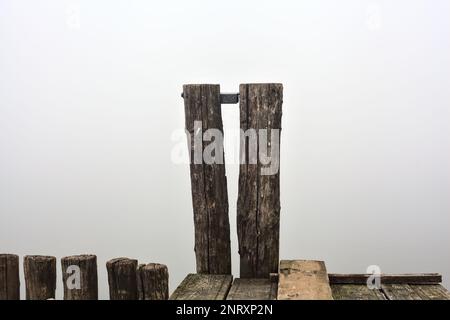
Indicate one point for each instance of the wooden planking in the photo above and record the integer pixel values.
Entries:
(258, 206)
(203, 287)
(390, 292)
(399, 292)
(431, 292)
(419, 278)
(9, 277)
(355, 292)
(253, 289)
(303, 280)
(208, 180)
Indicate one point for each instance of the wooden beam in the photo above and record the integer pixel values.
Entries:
(208, 180)
(203, 287)
(253, 289)
(303, 280)
(258, 207)
(9, 277)
(419, 278)
(88, 285)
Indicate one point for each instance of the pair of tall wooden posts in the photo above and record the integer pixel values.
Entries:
(258, 207)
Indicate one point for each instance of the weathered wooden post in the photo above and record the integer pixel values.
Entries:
(208, 180)
(122, 279)
(153, 281)
(9, 277)
(79, 275)
(258, 207)
(40, 277)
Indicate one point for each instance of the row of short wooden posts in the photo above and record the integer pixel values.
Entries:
(127, 279)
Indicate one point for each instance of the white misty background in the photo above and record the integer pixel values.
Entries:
(90, 95)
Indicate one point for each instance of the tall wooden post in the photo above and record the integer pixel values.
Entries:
(9, 277)
(258, 207)
(122, 279)
(208, 180)
(153, 281)
(79, 275)
(40, 277)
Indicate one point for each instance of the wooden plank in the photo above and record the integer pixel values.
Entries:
(88, 284)
(303, 280)
(355, 292)
(40, 277)
(122, 279)
(208, 180)
(153, 281)
(253, 289)
(9, 277)
(419, 278)
(203, 287)
(431, 292)
(258, 207)
(399, 292)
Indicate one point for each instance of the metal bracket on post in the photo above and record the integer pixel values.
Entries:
(227, 98)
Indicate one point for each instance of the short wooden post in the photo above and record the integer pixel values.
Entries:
(122, 279)
(258, 207)
(153, 281)
(208, 179)
(40, 277)
(79, 274)
(9, 277)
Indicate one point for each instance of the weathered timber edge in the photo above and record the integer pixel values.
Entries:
(419, 278)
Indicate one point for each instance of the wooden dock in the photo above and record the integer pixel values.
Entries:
(262, 275)
(309, 280)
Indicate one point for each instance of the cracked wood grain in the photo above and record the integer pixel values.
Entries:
(258, 206)
(208, 183)
(40, 277)
(122, 279)
(87, 265)
(9, 277)
(153, 281)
